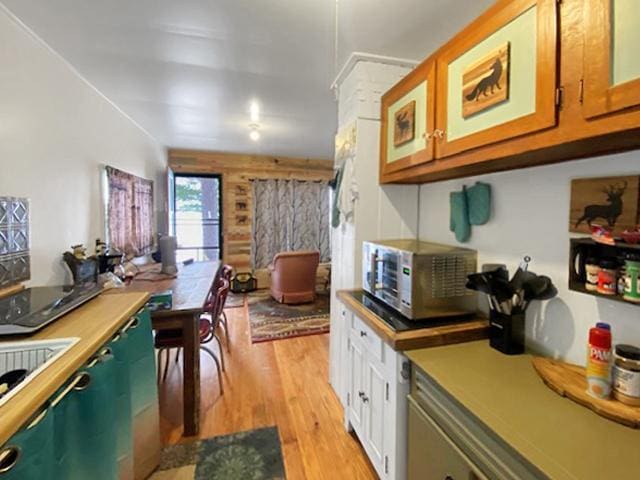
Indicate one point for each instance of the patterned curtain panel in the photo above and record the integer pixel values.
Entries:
(129, 212)
(289, 215)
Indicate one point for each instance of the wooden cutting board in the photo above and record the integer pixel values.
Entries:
(570, 381)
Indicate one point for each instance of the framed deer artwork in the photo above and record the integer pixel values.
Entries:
(611, 202)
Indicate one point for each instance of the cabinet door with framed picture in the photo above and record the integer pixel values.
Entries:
(611, 60)
(497, 78)
(408, 118)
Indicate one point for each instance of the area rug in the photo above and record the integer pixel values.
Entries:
(270, 320)
(235, 300)
(251, 455)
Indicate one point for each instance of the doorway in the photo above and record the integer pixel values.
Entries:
(197, 216)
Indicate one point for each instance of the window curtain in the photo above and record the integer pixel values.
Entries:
(289, 215)
(129, 212)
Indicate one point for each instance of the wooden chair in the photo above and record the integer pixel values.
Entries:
(167, 340)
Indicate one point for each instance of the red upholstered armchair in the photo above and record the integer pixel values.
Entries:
(293, 276)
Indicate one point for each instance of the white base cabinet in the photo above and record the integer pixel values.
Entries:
(377, 388)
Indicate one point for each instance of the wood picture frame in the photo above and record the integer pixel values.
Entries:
(612, 202)
(495, 18)
(485, 82)
(425, 72)
(404, 125)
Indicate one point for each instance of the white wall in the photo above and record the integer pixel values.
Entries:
(56, 132)
(531, 217)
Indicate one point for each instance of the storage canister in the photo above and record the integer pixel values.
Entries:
(631, 276)
(626, 374)
(592, 269)
(608, 277)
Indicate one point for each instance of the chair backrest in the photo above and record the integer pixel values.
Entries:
(227, 272)
(222, 291)
(295, 270)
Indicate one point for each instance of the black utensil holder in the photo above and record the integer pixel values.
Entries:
(506, 332)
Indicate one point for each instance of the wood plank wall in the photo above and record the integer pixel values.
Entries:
(237, 171)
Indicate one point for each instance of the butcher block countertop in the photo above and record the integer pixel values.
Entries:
(94, 323)
(562, 439)
(457, 331)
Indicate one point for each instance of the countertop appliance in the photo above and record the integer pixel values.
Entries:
(31, 309)
(421, 280)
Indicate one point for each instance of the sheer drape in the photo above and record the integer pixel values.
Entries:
(289, 215)
(129, 212)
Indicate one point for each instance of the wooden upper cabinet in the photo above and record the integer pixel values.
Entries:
(611, 58)
(408, 119)
(497, 79)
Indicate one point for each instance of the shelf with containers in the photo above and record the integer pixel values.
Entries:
(622, 261)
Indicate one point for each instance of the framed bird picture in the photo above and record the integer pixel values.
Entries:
(404, 124)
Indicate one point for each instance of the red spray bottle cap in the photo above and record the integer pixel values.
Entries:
(600, 336)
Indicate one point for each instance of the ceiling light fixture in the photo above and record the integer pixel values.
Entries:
(254, 110)
(254, 134)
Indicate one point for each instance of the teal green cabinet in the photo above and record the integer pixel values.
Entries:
(103, 424)
(30, 452)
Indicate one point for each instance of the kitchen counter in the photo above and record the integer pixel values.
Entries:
(455, 331)
(561, 438)
(94, 323)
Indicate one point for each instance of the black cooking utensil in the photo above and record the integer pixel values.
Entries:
(482, 282)
(538, 288)
(520, 275)
(10, 379)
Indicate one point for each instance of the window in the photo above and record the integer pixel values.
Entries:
(129, 222)
(196, 216)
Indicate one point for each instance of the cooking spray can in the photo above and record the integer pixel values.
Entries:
(599, 361)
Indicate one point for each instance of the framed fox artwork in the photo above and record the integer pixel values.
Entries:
(486, 82)
(611, 202)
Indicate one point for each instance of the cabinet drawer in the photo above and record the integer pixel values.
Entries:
(432, 454)
(371, 342)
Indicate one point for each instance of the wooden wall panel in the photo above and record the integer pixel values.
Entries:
(237, 171)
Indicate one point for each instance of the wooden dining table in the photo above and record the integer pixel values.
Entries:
(190, 287)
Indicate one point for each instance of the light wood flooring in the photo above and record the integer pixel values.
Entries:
(282, 383)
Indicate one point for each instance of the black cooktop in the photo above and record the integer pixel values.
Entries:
(397, 321)
(29, 310)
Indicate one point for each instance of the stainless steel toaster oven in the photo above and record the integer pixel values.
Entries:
(421, 280)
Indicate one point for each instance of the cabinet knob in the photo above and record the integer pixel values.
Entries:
(438, 133)
(363, 333)
(361, 394)
(365, 399)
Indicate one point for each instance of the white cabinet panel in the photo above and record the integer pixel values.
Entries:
(375, 411)
(357, 386)
(378, 404)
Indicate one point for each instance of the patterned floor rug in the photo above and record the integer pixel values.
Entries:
(251, 455)
(235, 300)
(270, 320)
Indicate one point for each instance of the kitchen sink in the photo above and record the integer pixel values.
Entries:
(34, 356)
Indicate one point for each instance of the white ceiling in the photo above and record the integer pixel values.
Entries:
(186, 71)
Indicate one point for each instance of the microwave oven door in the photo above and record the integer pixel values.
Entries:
(382, 268)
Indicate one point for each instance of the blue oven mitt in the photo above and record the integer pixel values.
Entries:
(459, 215)
(479, 203)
